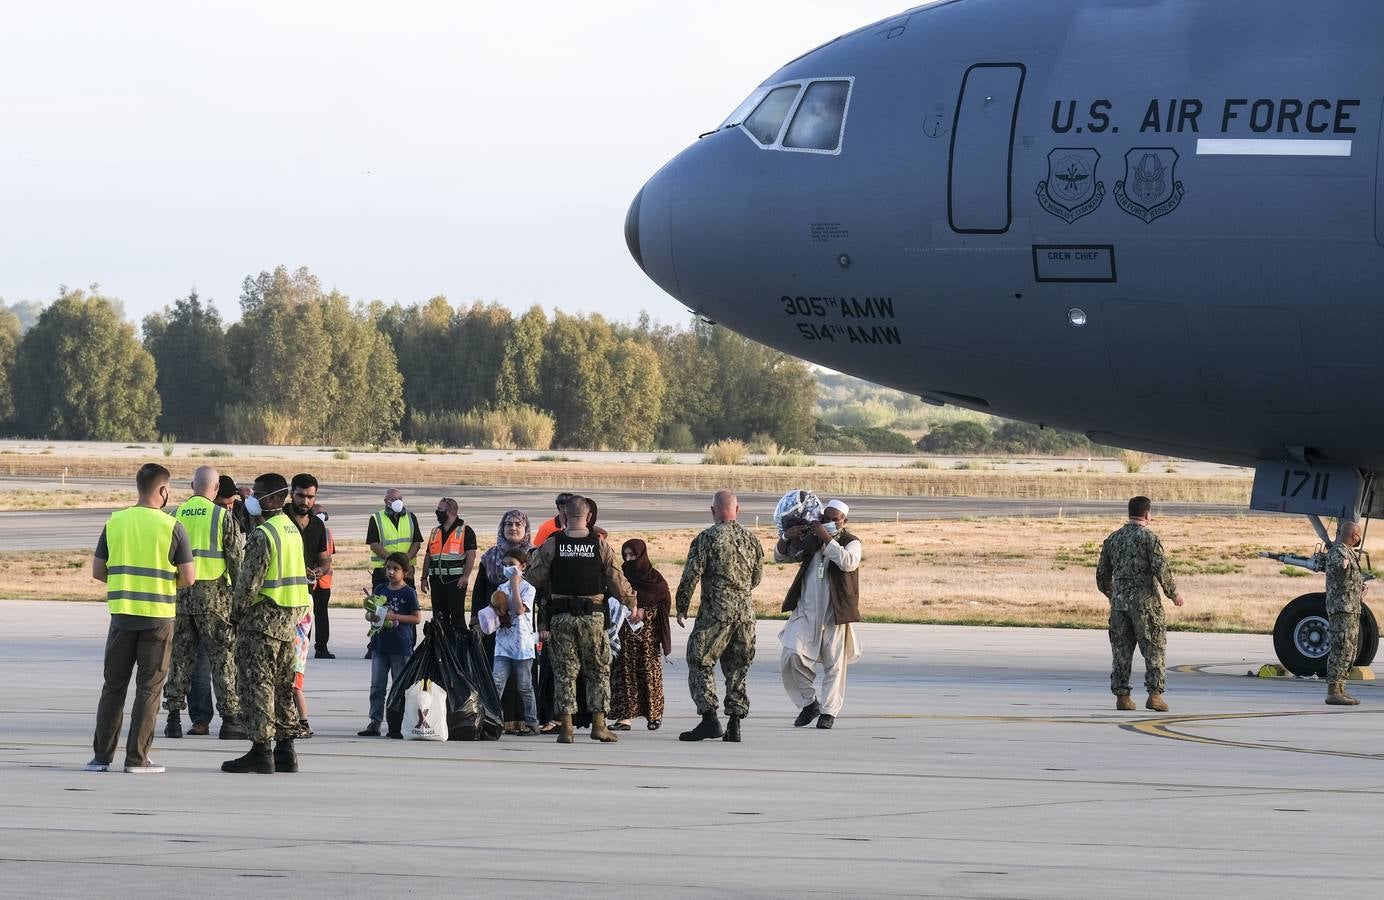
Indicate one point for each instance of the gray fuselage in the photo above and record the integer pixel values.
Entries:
(1153, 221)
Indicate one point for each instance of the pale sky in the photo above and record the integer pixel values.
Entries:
(478, 150)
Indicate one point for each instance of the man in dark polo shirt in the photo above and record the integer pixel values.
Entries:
(393, 529)
(302, 499)
(143, 556)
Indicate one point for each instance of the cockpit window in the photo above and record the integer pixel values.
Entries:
(744, 109)
(819, 118)
(766, 121)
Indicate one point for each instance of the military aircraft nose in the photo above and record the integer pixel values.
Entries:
(648, 230)
(632, 228)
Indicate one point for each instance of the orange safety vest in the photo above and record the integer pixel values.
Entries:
(325, 582)
(447, 559)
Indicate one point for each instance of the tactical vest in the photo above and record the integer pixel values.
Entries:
(447, 559)
(286, 578)
(577, 567)
(202, 520)
(394, 538)
(140, 581)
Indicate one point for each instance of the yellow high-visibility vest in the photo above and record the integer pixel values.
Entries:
(140, 581)
(394, 538)
(286, 579)
(203, 521)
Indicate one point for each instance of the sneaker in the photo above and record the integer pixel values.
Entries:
(97, 766)
(371, 730)
(146, 769)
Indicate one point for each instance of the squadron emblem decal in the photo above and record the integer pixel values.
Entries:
(1150, 189)
(1071, 189)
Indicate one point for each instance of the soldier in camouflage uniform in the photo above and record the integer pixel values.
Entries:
(204, 610)
(729, 562)
(580, 570)
(1131, 561)
(1345, 589)
(269, 598)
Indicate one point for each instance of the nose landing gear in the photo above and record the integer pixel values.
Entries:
(1301, 638)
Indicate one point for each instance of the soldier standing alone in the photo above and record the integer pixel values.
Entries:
(204, 610)
(579, 568)
(729, 562)
(270, 596)
(1131, 561)
(1345, 588)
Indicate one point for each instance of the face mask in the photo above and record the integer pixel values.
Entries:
(165, 499)
(253, 505)
(322, 516)
(441, 516)
(831, 527)
(509, 571)
(397, 507)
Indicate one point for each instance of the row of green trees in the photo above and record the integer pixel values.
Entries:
(307, 365)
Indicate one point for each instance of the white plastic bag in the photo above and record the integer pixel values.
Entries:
(425, 712)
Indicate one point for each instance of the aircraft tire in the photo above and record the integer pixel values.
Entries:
(1369, 637)
(1299, 636)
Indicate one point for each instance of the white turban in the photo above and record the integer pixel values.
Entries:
(838, 504)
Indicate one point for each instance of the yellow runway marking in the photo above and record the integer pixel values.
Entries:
(1165, 727)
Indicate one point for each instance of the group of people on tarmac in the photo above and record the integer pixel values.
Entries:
(576, 632)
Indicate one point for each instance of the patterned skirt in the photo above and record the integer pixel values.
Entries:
(636, 676)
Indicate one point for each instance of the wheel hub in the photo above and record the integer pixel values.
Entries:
(1311, 637)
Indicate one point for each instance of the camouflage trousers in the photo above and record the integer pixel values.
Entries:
(1140, 624)
(578, 645)
(264, 674)
(1343, 641)
(733, 644)
(191, 630)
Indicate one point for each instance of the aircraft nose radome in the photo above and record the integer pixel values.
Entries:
(632, 228)
(648, 229)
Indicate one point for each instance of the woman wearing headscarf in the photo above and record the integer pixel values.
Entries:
(513, 534)
(636, 676)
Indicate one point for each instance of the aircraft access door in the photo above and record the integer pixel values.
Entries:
(982, 151)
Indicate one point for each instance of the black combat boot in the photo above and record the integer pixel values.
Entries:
(285, 760)
(174, 728)
(710, 727)
(259, 760)
(231, 731)
(732, 730)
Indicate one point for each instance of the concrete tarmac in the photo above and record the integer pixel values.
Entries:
(350, 507)
(969, 762)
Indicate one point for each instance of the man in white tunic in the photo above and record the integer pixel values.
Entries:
(824, 600)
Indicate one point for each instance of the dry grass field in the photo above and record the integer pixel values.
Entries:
(990, 571)
(63, 499)
(906, 482)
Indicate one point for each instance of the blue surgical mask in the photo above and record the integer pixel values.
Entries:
(509, 571)
(831, 526)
